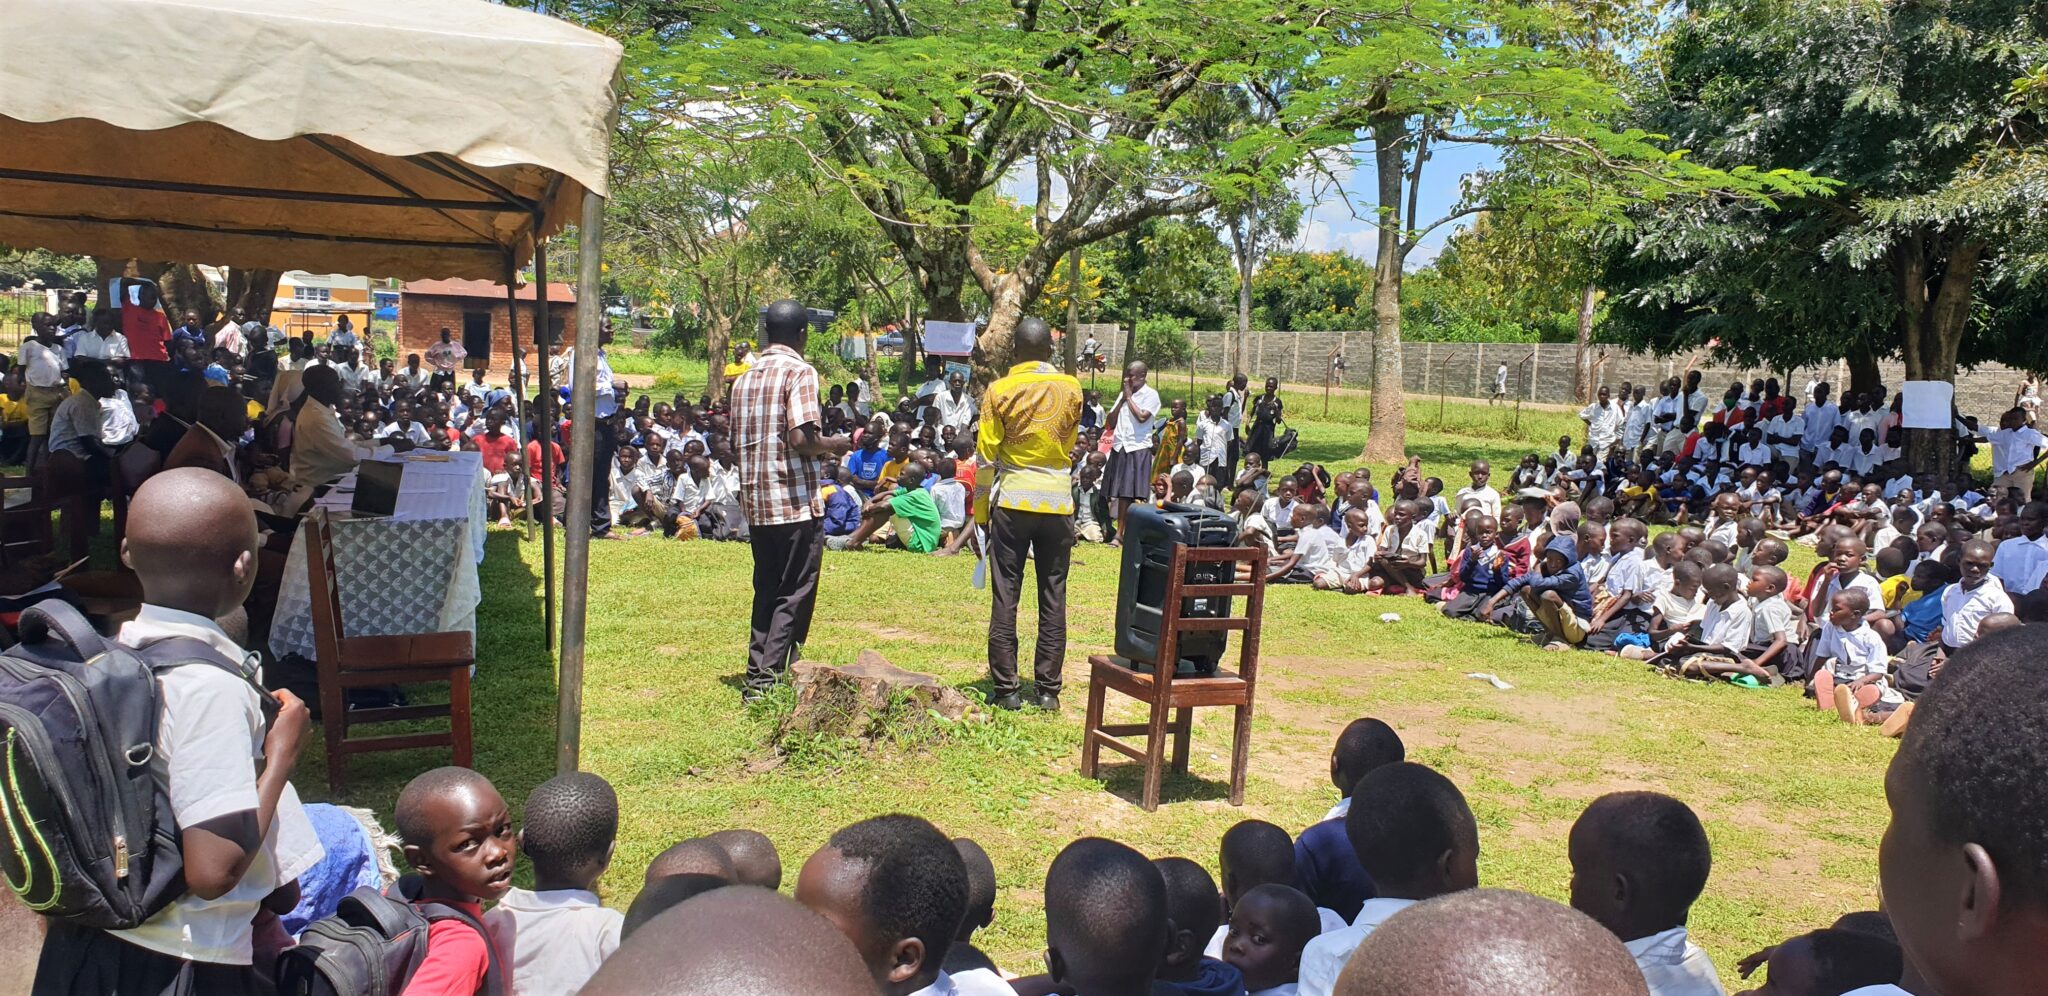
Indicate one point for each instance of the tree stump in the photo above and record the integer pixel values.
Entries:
(867, 698)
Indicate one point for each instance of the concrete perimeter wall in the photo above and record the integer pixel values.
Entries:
(1537, 372)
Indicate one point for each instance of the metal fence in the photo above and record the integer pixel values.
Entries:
(1537, 372)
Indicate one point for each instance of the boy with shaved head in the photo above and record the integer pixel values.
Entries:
(244, 840)
(1416, 837)
(1964, 863)
(1488, 942)
(555, 935)
(1639, 861)
(897, 888)
(738, 941)
(1105, 920)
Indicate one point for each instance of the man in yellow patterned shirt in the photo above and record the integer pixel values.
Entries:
(1024, 496)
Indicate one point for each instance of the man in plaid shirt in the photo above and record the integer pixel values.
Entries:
(775, 421)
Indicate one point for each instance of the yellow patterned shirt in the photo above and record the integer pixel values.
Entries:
(1028, 425)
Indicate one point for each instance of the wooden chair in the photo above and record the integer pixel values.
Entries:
(1162, 692)
(349, 662)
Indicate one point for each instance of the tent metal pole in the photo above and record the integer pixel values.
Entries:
(583, 471)
(544, 337)
(518, 389)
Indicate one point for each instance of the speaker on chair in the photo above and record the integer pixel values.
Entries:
(1149, 537)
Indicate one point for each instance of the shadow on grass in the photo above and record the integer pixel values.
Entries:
(513, 703)
(1126, 781)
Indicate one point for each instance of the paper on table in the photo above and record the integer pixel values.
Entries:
(1929, 404)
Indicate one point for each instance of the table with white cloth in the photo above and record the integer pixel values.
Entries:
(414, 571)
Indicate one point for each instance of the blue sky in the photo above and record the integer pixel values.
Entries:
(1329, 223)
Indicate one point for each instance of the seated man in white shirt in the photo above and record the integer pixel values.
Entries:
(243, 838)
(1639, 862)
(1416, 838)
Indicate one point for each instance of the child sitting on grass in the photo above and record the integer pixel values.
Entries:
(555, 936)
(1193, 907)
(458, 839)
(1555, 595)
(1639, 861)
(1255, 853)
(1398, 566)
(1355, 557)
(1324, 861)
(1676, 610)
(908, 513)
(1480, 571)
(1849, 661)
(1269, 927)
(1725, 630)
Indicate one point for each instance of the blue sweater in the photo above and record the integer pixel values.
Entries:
(1570, 583)
(842, 511)
(1329, 870)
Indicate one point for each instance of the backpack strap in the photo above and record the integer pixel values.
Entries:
(494, 984)
(55, 618)
(176, 651)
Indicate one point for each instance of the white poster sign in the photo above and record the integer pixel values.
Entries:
(1929, 405)
(948, 338)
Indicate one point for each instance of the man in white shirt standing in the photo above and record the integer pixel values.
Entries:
(42, 368)
(1416, 838)
(242, 834)
(1135, 414)
(2016, 449)
(1639, 862)
(1604, 421)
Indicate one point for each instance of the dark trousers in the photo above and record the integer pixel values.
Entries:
(1224, 486)
(604, 453)
(1049, 540)
(79, 961)
(786, 559)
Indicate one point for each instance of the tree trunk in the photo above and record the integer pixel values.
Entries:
(254, 292)
(1241, 357)
(1862, 363)
(867, 331)
(1582, 348)
(717, 347)
(992, 348)
(1070, 342)
(1387, 439)
(1935, 316)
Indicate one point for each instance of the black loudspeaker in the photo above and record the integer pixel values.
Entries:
(1150, 535)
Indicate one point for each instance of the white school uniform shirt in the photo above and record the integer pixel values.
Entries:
(1759, 454)
(1724, 530)
(951, 498)
(1962, 611)
(45, 364)
(1317, 549)
(1728, 626)
(1486, 499)
(1788, 426)
(1275, 512)
(1131, 434)
(117, 420)
(978, 982)
(958, 413)
(554, 941)
(209, 739)
(2012, 447)
(1325, 957)
(1354, 556)
(1863, 582)
(1857, 652)
(1636, 426)
(1626, 573)
(1212, 439)
(1603, 424)
(2020, 563)
(1820, 424)
(1769, 617)
(1674, 966)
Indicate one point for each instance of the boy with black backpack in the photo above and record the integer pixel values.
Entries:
(242, 837)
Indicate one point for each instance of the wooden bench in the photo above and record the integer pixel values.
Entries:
(1163, 692)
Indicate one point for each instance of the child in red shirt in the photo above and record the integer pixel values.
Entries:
(459, 840)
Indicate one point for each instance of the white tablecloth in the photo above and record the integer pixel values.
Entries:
(412, 572)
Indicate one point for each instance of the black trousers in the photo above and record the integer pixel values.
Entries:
(786, 559)
(604, 453)
(1049, 540)
(1224, 486)
(79, 961)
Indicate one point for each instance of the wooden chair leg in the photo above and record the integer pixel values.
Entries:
(1155, 755)
(334, 727)
(458, 715)
(1240, 753)
(1091, 750)
(1183, 721)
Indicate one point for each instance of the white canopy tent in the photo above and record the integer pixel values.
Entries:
(402, 138)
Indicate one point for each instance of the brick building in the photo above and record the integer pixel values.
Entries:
(473, 311)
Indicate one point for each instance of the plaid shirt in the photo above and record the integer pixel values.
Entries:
(777, 394)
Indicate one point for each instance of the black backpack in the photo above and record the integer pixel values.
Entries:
(84, 807)
(372, 945)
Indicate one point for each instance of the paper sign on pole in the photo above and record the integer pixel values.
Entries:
(1929, 404)
(948, 338)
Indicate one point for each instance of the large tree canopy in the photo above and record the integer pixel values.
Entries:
(1929, 251)
(921, 108)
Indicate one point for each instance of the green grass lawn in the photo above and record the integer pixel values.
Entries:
(1792, 798)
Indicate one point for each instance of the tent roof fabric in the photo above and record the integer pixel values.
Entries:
(405, 138)
(557, 293)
